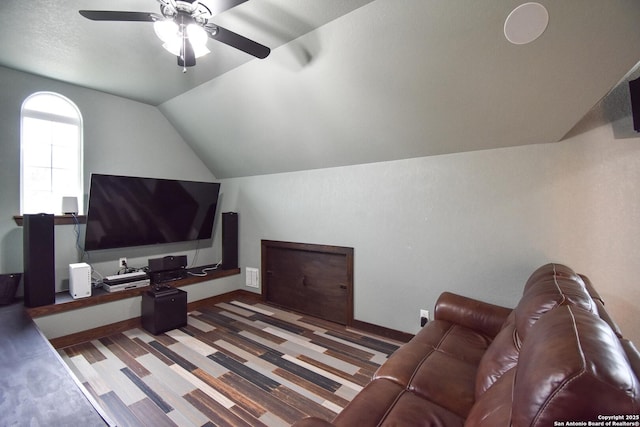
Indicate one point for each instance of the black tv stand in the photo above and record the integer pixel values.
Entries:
(64, 301)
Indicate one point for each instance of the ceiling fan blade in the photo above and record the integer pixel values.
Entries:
(222, 5)
(239, 42)
(112, 15)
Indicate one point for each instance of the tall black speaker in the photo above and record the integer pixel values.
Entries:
(634, 91)
(229, 240)
(39, 256)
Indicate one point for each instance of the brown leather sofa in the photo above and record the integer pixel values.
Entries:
(557, 358)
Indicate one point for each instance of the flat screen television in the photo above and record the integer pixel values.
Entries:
(127, 211)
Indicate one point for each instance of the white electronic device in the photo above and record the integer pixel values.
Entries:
(69, 205)
(80, 280)
(126, 277)
(123, 286)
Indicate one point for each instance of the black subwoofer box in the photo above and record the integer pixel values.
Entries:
(229, 240)
(164, 310)
(39, 260)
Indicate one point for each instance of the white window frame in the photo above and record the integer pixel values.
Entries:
(55, 205)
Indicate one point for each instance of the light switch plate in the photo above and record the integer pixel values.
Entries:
(252, 277)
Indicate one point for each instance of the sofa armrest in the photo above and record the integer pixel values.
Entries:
(471, 313)
(312, 422)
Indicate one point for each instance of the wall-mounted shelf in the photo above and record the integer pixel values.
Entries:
(64, 301)
(57, 219)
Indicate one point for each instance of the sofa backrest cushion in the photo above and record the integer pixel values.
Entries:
(599, 303)
(493, 408)
(546, 294)
(550, 286)
(500, 356)
(632, 354)
(572, 367)
(549, 271)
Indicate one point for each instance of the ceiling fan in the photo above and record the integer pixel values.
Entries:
(184, 26)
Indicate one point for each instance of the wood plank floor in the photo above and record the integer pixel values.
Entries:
(234, 364)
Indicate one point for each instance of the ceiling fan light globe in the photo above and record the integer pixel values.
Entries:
(167, 30)
(197, 36)
(174, 48)
(199, 51)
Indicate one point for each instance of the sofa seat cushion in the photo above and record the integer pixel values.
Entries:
(385, 403)
(439, 364)
(457, 341)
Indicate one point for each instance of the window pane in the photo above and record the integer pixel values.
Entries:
(51, 153)
(64, 135)
(63, 157)
(40, 202)
(35, 156)
(63, 182)
(35, 132)
(37, 179)
(51, 103)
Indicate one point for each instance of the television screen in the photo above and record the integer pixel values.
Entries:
(129, 211)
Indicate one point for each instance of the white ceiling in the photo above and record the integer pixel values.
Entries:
(347, 82)
(50, 38)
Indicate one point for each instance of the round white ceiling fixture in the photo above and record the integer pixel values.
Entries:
(526, 23)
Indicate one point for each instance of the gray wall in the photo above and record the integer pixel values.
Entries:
(120, 137)
(475, 223)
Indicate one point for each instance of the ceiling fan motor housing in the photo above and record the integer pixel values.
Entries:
(197, 11)
(184, 27)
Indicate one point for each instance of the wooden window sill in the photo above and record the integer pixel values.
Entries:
(57, 219)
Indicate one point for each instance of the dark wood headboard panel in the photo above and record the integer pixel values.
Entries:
(311, 279)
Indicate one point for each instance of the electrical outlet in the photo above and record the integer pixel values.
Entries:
(424, 317)
(122, 263)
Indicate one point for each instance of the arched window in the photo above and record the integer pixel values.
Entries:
(51, 153)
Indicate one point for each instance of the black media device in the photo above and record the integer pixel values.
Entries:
(229, 240)
(39, 257)
(634, 91)
(127, 211)
(167, 269)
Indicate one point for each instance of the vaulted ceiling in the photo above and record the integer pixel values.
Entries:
(347, 81)
(50, 38)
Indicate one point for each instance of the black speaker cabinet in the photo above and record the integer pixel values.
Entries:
(229, 240)
(39, 258)
(164, 310)
(634, 91)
